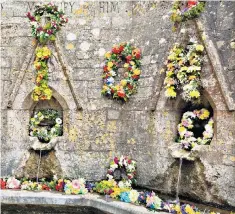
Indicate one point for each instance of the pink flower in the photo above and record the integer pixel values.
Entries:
(49, 32)
(76, 184)
(116, 160)
(13, 183)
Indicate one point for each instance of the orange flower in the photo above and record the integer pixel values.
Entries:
(136, 53)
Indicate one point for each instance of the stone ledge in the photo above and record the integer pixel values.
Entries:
(56, 198)
(177, 152)
(35, 144)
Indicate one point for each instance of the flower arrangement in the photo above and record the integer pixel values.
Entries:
(56, 20)
(191, 10)
(34, 186)
(185, 208)
(183, 70)
(105, 187)
(44, 33)
(41, 90)
(80, 186)
(153, 201)
(126, 164)
(186, 137)
(45, 133)
(12, 183)
(75, 187)
(122, 55)
(3, 183)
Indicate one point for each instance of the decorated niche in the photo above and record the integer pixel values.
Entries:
(46, 116)
(46, 123)
(196, 126)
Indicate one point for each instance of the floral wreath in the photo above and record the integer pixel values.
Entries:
(128, 165)
(186, 137)
(45, 134)
(190, 11)
(183, 71)
(49, 30)
(130, 56)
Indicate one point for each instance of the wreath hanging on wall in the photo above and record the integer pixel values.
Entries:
(127, 56)
(56, 19)
(183, 71)
(53, 127)
(182, 12)
(123, 170)
(185, 128)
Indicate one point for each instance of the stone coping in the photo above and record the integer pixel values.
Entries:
(55, 198)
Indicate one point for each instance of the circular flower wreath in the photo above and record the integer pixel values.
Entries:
(192, 9)
(186, 137)
(49, 30)
(129, 167)
(127, 56)
(45, 134)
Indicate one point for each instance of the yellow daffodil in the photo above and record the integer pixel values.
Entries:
(39, 54)
(132, 62)
(189, 209)
(110, 64)
(170, 65)
(107, 55)
(182, 129)
(105, 87)
(192, 77)
(116, 87)
(116, 192)
(123, 83)
(170, 92)
(200, 48)
(172, 57)
(137, 71)
(194, 94)
(180, 62)
(177, 208)
(126, 65)
(46, 51)
(204, 114)
(169, 73)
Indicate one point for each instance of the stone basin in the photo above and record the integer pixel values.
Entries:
(85, 202)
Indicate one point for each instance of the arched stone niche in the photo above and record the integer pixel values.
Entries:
(167, 116)
(43, 105)
(50, 162)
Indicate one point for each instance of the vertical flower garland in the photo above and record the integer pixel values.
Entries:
(183, 71)
(41, 90)
(55, 19)
(127, 56)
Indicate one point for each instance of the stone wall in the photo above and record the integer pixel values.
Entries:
(95, 128)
